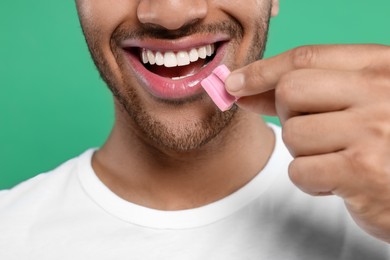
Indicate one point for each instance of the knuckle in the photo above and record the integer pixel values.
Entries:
(359, 205)
(283, 92)
(377, 76)
(358, 160)
(304, 56)
(373, 121)
(367, 165)
(290, 91)
(380, 128)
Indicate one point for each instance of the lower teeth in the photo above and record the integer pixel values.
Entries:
(182, 77)
(189, 75)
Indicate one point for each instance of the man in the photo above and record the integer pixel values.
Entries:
(179, 179)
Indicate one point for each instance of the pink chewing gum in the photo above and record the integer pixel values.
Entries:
(214, 85)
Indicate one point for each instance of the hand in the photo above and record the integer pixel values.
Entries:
(334, 106)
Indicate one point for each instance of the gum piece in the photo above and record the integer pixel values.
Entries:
(214, 85)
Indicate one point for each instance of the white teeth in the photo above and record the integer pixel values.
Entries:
(181, 58)
(208, 50)
(194, 56)
(159, 59)
(202, 52)
(144, 56)
(170, 59)
(182, 77)
(151, 57)
(212, 49)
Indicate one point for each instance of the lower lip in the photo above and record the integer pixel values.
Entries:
(169, 89)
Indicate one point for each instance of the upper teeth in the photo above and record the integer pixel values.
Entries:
(181, 58)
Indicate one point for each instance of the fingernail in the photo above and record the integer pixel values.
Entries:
(235, 82)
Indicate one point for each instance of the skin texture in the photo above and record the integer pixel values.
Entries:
(333, 101)
(334, 105)
(163, 124)
(163, 154)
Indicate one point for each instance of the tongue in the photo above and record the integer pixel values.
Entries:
(180, 71)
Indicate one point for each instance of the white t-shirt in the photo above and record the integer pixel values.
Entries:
(70, 214)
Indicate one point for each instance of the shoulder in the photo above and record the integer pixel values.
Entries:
(41, 189)
(39, 206)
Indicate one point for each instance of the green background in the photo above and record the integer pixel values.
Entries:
(53, 104)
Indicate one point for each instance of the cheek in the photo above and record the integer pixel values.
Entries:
(104, 16)
(99, 19)
(245, 12)
(253, 16)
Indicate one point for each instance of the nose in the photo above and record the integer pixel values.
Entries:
(171, 14)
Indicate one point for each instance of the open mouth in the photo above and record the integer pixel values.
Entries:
(177, 65)
(174, 72)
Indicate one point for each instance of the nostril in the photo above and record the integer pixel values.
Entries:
(171, 14)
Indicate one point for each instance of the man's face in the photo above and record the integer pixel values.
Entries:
(154, 53)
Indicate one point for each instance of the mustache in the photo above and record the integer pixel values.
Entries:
(153, 31)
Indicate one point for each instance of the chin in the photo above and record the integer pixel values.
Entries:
(179, 127)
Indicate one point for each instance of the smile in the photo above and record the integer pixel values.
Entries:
(173, 70)
(171, 59)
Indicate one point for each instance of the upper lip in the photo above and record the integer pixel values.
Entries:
(180, 44)
(165, 87)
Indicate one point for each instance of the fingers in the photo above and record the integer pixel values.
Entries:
(263, 75)
(319, 133)
(310, 91)
(321, 174)
(317, 91)
(263, 104)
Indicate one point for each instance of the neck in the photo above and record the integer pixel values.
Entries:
(166, 180)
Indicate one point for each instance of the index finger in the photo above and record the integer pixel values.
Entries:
(263, 75)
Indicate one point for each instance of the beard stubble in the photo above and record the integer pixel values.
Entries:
(182, 137)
